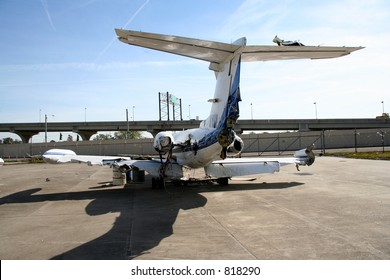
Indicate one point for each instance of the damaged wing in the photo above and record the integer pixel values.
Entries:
(235, 167)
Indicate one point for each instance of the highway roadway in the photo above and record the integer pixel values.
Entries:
(87, 129)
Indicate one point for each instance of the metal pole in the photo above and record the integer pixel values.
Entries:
(355, 141)
(45, 128)
(159, 105)
(315, 106)
(168, 104)
(181, 115)
(173, 110)
(251, 111)
(383, 108)
(127, 122)
(85, 114)
(133, 113)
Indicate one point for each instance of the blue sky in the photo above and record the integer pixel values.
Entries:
(60, 57)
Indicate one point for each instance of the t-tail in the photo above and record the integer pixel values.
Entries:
(225, 60)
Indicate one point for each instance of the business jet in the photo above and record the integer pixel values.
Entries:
(207, 147)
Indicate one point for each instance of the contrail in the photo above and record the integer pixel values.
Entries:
(136, 13)
(46, 8)
(126, 24)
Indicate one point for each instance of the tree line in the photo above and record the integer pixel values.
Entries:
(99, 137)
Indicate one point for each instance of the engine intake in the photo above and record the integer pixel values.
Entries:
(236, 147)
(163, 142)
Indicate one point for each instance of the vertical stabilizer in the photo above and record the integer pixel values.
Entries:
(226, 95)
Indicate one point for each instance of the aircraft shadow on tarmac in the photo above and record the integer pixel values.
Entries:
(146, 216)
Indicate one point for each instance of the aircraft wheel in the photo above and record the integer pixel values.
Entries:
(223, 181)
(158, 183)
(154, 183)
(161, 183)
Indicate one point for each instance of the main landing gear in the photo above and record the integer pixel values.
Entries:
(223, 181)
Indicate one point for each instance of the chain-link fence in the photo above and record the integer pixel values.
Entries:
(257, 144)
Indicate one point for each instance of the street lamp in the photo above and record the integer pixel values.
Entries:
(189, 112)
(85, 114)
(133, 113)
(127, 122)
(315, 107)
(383, 108)
(251, 111)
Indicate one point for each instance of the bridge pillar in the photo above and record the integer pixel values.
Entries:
(25, 135)
(85, 134)
(154, 131)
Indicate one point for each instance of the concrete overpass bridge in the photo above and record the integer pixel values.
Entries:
(86, 129)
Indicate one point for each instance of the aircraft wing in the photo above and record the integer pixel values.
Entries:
(217, 53)
(90, 160)
(96, 160)
(235, 167)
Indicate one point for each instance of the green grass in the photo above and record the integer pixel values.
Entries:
(362, 155)
(23, 160)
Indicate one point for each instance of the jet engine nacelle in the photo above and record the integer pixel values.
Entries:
(236, 147)
(163, 142)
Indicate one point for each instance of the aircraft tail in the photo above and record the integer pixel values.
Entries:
(227, 90)
(225, 60)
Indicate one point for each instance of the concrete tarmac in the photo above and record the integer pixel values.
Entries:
(336, 209)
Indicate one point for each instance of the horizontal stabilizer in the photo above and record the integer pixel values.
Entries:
(217, 53)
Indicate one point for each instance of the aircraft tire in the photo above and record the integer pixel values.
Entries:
(223, 181)
(158, 183)
(161, 183)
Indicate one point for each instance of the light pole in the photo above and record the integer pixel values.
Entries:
(251, 111)
(85, 114)
(133, 113)
(189, 112)
(383, 108)
(315, 107)
(127, 122)
(46, 127)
